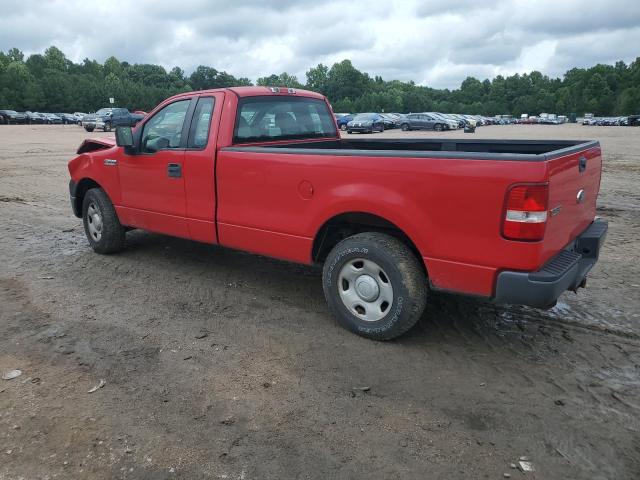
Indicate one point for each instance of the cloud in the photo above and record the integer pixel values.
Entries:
(431, 42)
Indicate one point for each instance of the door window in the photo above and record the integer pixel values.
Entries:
(164, 130)
(201, 122)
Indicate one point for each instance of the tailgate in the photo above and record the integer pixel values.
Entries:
(574, 182)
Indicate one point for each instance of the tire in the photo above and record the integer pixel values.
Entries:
(349, 132)
(437, 127)
(343, 127)
(107, 127)
(394, 262)
(382, 128)
(89, 129)
(101, 224)
(404, 127)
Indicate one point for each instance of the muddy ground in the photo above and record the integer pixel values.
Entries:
(220, 364)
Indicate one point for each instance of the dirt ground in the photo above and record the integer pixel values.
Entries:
(220, 364)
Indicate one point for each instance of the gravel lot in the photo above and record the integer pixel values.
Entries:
(220, 364)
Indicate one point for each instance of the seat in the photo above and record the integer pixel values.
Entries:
(286, 123)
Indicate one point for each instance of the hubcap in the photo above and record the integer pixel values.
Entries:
(365, 289)
(94, 222)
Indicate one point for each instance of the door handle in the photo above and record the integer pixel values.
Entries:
(174, 170)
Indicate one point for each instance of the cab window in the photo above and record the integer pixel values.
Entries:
(164, 130)
(278, 118)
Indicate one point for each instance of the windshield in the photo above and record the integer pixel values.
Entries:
(362, 117)
(279, 118)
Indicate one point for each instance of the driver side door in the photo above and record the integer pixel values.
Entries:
(151, 179)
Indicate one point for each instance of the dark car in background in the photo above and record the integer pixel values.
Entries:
(52, 118)
(366, 123)
(390, 120)
(67, 118)
(35, 117)
(11, 116)
(109, 118)
(342, 120)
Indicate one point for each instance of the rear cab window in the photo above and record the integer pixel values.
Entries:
(272, 118)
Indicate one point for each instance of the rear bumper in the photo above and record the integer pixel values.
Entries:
(565, 271)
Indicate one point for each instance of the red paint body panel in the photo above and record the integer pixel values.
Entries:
(275, 203)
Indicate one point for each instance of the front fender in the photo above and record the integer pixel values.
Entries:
(91, 166)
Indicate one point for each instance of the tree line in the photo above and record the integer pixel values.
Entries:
(52, 82)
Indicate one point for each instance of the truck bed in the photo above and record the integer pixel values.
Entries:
(525, 150)
(446, 194)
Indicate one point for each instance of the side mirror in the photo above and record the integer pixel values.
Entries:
(124, 137)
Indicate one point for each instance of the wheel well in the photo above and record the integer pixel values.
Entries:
(347, 224)
(83, 187)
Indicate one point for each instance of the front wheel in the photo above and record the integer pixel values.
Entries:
(437, 127)
(374, 285)
(107, 127)
(101, 223)
(349, 132)
(89, 129)
(343, 127)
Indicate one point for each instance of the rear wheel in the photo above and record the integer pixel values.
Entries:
(404, 127)
(374, 285)
(101, 223)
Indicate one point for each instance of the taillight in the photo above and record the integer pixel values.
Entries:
(526, 212)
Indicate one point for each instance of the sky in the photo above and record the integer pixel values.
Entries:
(435, 43)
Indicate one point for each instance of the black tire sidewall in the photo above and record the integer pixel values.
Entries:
(112, 235)
(392, 324)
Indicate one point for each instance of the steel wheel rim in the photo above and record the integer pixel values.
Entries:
(365, 289)
(94, 222)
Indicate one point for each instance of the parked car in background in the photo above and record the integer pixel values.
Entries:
(67, 118)
(11, 116)
(108, 118)
(35, 117)
(447, 123)
(390, 121)
(343, 120)
(52, 118)
(462, 122)
(79, 116)
(421, 121)
(366, 123)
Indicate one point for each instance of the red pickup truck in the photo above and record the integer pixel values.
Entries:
(265, 170)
